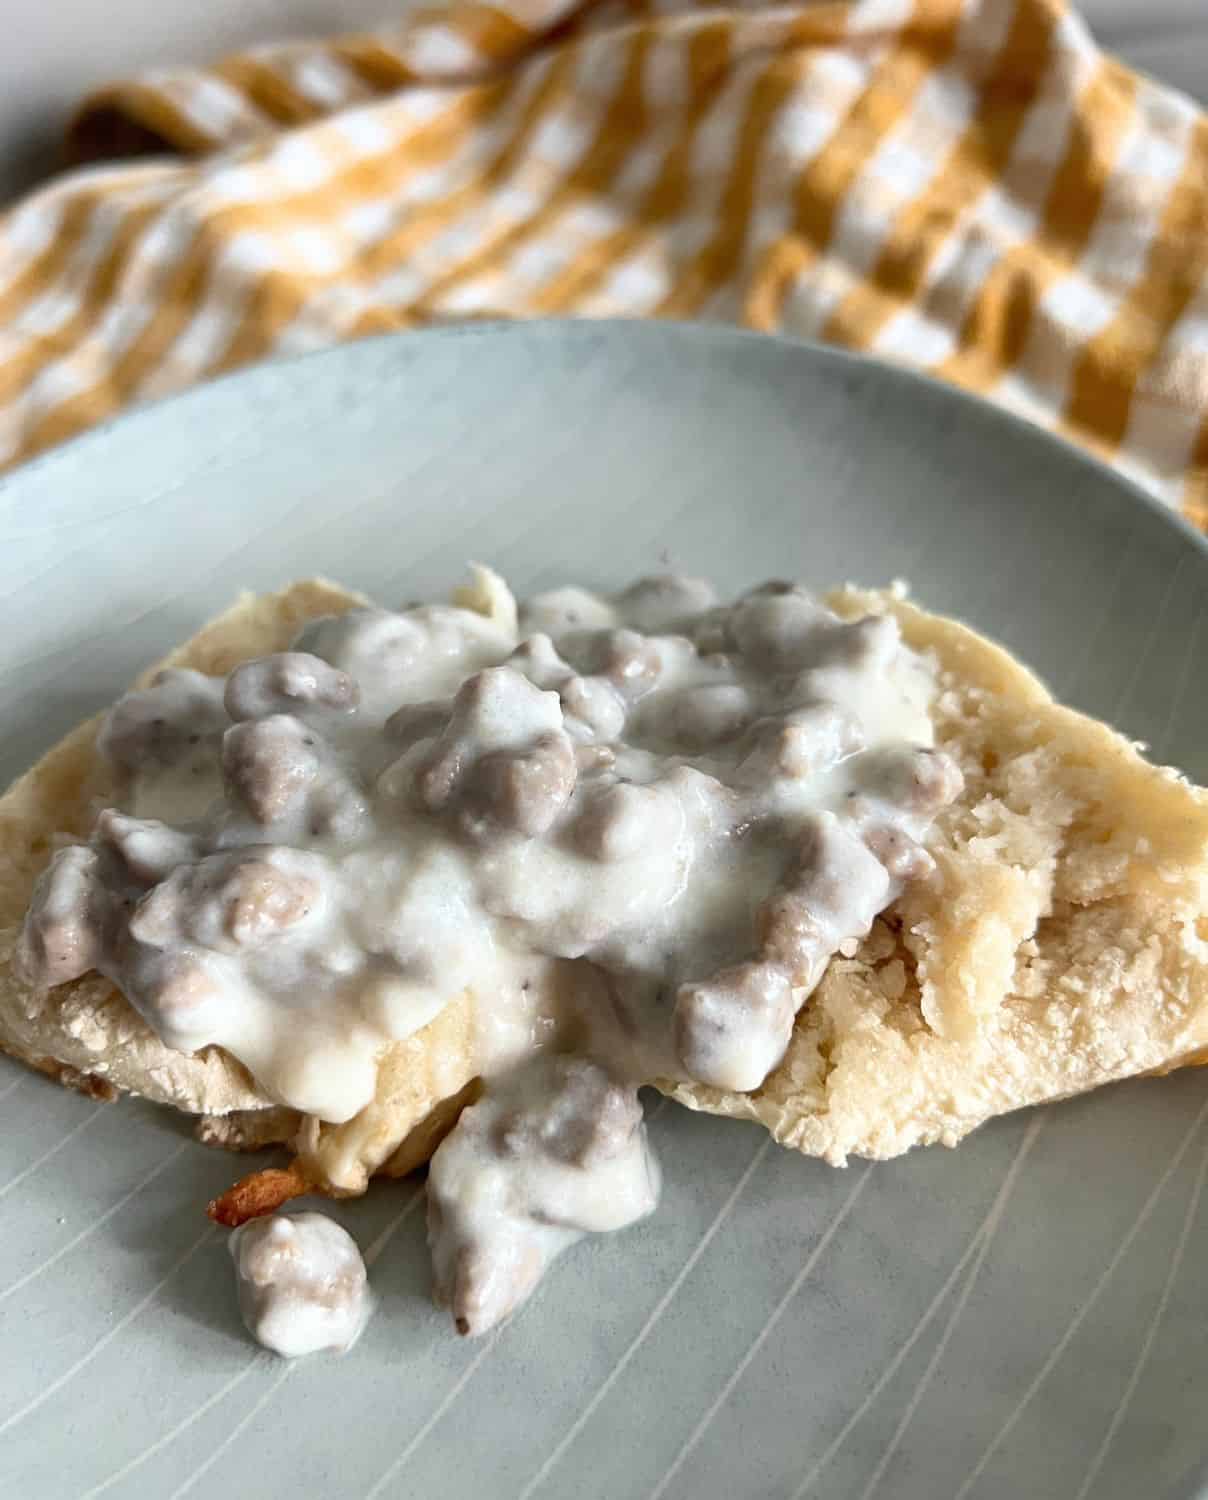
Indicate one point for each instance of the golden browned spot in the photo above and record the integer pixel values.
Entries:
(259, 1193)
(422, 1141)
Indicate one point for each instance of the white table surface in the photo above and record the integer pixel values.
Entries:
(58, 49)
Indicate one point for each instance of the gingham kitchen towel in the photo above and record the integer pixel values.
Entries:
(969, 186)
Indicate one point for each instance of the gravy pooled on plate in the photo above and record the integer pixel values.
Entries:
(301, 1282)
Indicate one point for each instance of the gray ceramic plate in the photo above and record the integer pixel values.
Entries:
(1023, 1317)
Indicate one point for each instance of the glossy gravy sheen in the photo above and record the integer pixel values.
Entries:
(636, 828)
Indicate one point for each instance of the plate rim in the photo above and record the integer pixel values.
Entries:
(828, 356)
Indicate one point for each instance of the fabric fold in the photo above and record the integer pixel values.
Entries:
(966, 186)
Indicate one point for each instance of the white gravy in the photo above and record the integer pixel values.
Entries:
(301, 1283)
(693, 805)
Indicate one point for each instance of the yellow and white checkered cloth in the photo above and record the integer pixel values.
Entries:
(969, 186)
